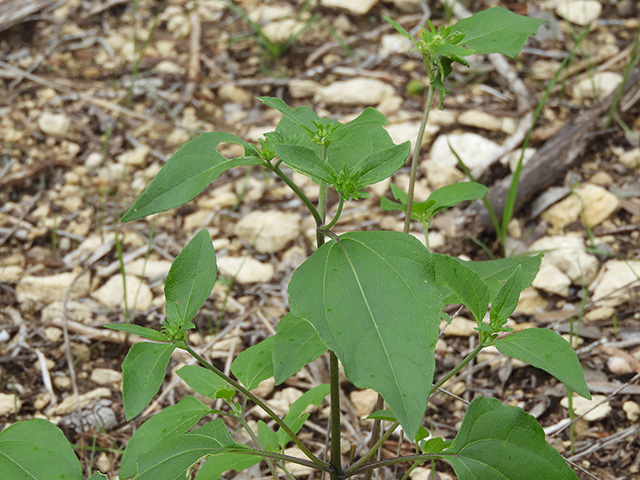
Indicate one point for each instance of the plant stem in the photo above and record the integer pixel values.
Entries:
(280, 456)
(375, 432)
(299, 193)
(372, 451)
(416, 156)
(336, 453)
(261, 404)
(337, 215)
(391, 461)
(458, 367)
(254, 437)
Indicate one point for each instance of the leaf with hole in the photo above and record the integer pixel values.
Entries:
(188, 172)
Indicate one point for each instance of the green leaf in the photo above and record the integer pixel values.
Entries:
(268, 438)
(434, 445)
(143, 370)
(37, 450)
(547, 350)
(98, 476)
(138, 330)
(296, 344)
(506, 300)
(497, 30)
(304, 160)
(215, 466)
(172, 457)
(353, 146)
(170, 422)
(386, 415)
(190, 279)
(188, 172)
(205, 382)
(444, 197)
(503, 443)
(465, 284)
(303, 117)
(296, 417)
(494, 272)
(255, 364)
(451, 195)
(381, 164)
(369, 296)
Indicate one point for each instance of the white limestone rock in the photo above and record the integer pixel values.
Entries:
(598, 85)
(54, 124)
(551, 279)
(245, 269)
(580, 12)
(269, 231)
(356, 7)
(474, 150)
(135, 157)
(69, 404)
(51, 288)
(9, 404)
(568, 255)
(581, 405)
(111, 294)
(615, 281)
(105, 376)
(363, 401)
(591, 203)
(401, 132)
(440, 174)
(357, 91)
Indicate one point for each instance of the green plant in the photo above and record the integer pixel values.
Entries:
(372, 299)
(274, 49)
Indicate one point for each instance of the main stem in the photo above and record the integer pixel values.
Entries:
(416, 156)
(336, 461)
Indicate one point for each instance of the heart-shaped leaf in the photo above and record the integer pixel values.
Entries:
(369, 296)
(37, 450)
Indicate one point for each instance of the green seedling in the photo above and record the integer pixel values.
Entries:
(371, 300)
(269, 48)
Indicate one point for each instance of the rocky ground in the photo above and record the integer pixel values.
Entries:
(96, 94)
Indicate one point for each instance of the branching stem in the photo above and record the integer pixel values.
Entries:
(322, 465)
